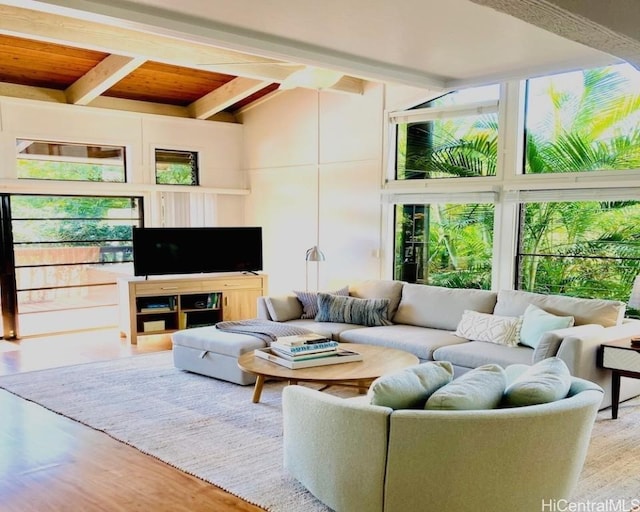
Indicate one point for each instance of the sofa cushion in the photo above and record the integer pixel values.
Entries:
(351, 310)
(480, 388)
(503, 330)
(477, 353)
(379, 289)
(283, 308)
(420, 341)
(439, 307)
(546, 381)
(309, 301)
(409, 388)
(585, 311)
(536, 321)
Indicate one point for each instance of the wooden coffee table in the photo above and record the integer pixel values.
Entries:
(376, 362)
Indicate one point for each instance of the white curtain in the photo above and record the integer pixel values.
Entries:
(187, 209)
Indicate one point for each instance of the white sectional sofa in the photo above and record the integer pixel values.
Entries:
(424, 319)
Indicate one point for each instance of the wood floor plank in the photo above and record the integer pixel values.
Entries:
(51, 463)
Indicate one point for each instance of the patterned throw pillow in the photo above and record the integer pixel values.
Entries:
(504, 330)
(309, 301)
(351, 310)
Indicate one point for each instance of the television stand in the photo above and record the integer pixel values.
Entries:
(151, 307)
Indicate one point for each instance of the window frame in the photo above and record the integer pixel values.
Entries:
(510, 185)
(195, 167)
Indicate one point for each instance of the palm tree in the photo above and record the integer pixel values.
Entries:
(594, 127)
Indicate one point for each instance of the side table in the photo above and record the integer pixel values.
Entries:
(623, 360)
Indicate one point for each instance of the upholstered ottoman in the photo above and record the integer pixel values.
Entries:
(209, 351)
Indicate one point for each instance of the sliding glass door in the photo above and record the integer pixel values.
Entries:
(61, 259)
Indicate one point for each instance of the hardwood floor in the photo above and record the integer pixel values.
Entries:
(51, 463)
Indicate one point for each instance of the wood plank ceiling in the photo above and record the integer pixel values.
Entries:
(55, 58)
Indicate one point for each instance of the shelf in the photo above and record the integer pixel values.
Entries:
(199, 318)
(165, 305)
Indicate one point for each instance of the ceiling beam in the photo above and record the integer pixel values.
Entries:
(225, 96)
(69, 31)
(28, 92)
(102, 77)
(146, 107)
(59, 29)
(175, 22)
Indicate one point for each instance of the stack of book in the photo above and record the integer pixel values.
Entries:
(306, 351)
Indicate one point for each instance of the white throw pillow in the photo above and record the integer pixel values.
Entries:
(504, 330)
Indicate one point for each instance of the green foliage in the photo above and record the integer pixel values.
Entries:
(585, 248)
(71, 220)
(175, 174)
(45, 170)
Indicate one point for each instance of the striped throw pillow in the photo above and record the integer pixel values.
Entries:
(351, 310)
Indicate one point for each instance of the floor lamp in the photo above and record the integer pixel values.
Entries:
(316, 255)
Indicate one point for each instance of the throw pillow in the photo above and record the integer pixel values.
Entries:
(409, 388)
(480, 388)
(546, 381)
(283, 308)
(309, 301)
(351, 310)
(492, 328)
(536, 321)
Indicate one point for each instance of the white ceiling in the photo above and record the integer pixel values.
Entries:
(435, 44)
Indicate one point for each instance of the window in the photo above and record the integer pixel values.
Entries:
(454, 136)
(42, 160)
(579, 248)
(444, 244)
(566, 200)
(175, 167)
(583, 121)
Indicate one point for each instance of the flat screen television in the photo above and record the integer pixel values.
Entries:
(160, 251)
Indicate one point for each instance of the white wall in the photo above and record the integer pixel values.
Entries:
(315, 166)
(313, 162)
(219, 146)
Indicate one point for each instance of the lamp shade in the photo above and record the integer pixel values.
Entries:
(315, 254)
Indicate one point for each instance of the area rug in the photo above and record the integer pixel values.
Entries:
(212, 430)
(202, 426)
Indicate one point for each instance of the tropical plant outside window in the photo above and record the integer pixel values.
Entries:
(43, 160)
(458, 144)
(174, 167)
(574, 242)
(445, 244)
(583, 121)
(584, 249)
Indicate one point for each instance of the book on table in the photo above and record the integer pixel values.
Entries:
(303, 355)
(301, 339)
(306, 348)
(340, 356)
